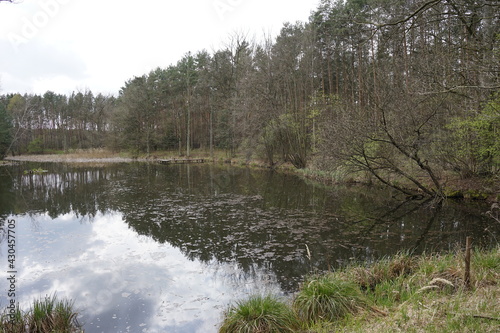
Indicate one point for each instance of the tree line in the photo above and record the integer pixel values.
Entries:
(395, 89)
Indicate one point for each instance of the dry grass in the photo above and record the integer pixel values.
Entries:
(425, 294)
(83, 156)
(368, 278)
(475, 311)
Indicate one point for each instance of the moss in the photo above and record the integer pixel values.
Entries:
(453, 193)
(475, 195)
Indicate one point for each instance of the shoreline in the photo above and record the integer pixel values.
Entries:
(455, 188)
(70, 158)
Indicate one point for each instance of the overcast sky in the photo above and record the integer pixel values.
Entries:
(69, 45)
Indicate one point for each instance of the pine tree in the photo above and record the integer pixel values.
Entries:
(5, 127)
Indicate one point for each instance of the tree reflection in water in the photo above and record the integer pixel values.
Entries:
(259, 221)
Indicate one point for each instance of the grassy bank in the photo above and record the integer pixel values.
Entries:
(401, 294)
(46, 315)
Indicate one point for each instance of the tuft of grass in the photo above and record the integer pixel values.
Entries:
(383, 280)
(12, 322)
(327, 298)
(259, 314)
(46, 315)
(49, 315)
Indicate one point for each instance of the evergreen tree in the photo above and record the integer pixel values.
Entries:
(5, 126)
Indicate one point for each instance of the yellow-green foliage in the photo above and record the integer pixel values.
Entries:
(477, 138)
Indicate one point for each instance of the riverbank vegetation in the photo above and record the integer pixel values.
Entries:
(46, 315)
(259, 314)
(405, 293)
(405, 93)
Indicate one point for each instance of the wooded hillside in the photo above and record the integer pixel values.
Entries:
(398, 89)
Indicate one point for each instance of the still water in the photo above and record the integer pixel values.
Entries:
(152, 248)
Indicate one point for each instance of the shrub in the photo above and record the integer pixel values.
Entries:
(35, 146)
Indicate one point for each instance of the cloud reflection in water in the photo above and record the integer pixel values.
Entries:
(124, 282)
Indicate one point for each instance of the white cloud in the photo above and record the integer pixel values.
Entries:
(61, 45)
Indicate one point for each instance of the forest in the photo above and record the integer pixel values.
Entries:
(403, 91)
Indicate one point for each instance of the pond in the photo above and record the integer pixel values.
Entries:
(152, 248)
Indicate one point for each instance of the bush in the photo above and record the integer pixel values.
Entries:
(476, 141)
(35, 146)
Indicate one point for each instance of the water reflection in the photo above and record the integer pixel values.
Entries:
(123, 281)
(155, 248)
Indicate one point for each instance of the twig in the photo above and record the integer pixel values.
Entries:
(468, 247)
(485, 317)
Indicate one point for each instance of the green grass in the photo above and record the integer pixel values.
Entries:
(259, 314)
(327, 298)
(404, 293)
(12, 322)
(46, 315)
(425, 294)
(53, 151)
(35, 171)
(331, 177)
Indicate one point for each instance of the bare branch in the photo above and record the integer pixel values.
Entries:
(422, 8)
(456, 88)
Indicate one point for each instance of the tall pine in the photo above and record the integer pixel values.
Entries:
(5, 127)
